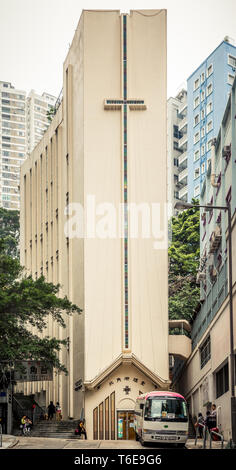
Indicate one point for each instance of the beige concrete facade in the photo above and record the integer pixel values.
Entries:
(80, 157)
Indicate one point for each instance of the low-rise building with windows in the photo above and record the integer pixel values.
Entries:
(206, 376)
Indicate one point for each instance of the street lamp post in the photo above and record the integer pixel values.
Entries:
(185, 205)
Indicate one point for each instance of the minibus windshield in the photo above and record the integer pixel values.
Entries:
(166, 409)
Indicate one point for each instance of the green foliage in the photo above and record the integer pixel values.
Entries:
(51, 113)
(10, 230)
(25, 303)
(184, 255)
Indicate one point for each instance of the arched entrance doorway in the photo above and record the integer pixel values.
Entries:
(125, 419)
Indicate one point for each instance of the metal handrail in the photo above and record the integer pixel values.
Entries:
(217, 434)
(204, 435)
(18, 402)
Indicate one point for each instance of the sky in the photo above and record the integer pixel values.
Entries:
(35, 36)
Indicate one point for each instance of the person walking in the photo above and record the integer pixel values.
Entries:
(51, 410)
(58, 412)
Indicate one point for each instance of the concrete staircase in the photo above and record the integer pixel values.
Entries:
(55, 429)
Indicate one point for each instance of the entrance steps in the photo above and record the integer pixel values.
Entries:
(55, 429)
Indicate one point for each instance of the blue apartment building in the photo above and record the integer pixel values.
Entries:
(208, 90)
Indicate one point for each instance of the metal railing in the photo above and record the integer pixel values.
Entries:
(203, 435)
(219, 435)
(33, 413)
(213, 301)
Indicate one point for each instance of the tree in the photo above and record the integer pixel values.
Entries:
(10, 230)
(184, 255)
(51, 113)
(26, 302)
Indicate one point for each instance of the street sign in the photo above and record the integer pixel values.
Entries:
(33, 371)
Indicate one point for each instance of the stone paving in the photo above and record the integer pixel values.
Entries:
(22, 442)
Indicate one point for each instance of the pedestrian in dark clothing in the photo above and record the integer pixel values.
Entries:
(213, 416)
(51, 410)
(199, 424)
(210, 420)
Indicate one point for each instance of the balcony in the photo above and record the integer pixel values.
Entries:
(183, 158)
(183, 123)
(183, 141)
(183, 192)
(180, 344)
(183, 109)
(183, 175)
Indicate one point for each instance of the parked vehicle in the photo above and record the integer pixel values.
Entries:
(161, 417)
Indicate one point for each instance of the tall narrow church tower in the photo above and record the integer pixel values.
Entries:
(105, 152)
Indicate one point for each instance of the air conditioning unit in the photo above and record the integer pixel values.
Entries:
(213, 271)
(215, 239)
(226, 152)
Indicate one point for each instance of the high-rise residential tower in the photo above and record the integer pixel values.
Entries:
(23, 121)
(208, 89)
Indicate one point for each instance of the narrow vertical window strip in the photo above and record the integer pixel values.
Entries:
(126, 284)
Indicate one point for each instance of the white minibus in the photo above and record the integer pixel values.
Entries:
(161, 417)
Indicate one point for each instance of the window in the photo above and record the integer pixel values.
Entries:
(196, 84)
(209, 89)
(205, 352)
(196, 137)
(202, 77)
(202, 113)
(95, 424)
(107, 418)
(232, 60)
(196, 173)
(112, 408)
(209, 126)
(209, 70)
(101, 422)
(196, 102)
(196, 191)
(203, 168)
(203, 132)
(202, 95)
(196, 119)
(176, 131)
(196, 155)
(209, 108)
(202, 150)
(222, 380)
(209, 144)
(176, 145)
(230, 79)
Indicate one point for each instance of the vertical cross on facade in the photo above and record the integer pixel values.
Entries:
(122, 104)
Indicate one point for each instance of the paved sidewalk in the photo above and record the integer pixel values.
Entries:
(8, 441)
